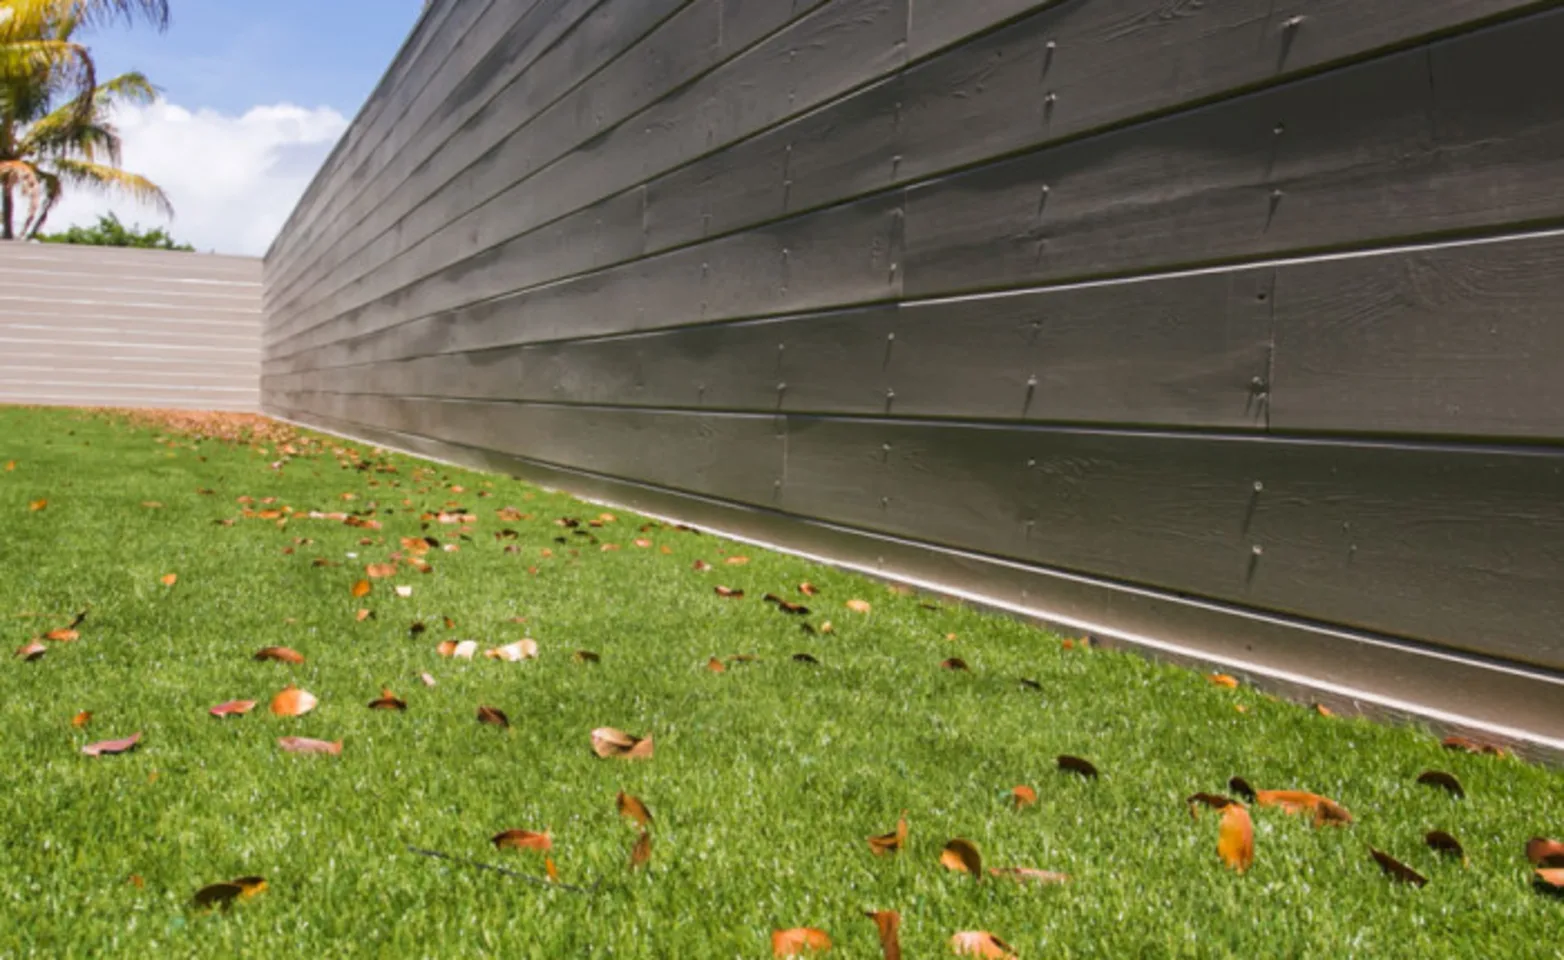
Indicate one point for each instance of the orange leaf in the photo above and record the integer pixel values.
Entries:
(1325, 810)
(730, 592)
(363, 615)
(715, 665)
(1323, 710)
(379, 571)
(233, 708)
(642, 851)
(888, 922)
(960, 855)
(1223, 680)
(888, 843)
(462, 650)
(609, 742)
(523, 840)
(1469, 745)
(809, 590)
(642, 542)
(31, 651)
(1023, 797)
(799, 941)
(736, 561)
(62, 636)
(1235, 841)
(280, 654)
(387, 701)
(1552, 878)
(633, 808)
(81, 719)
(107, 747)
(37, 505)
(293, 702)
(980, 943)
(550, 869)
(362, 588)
(515, 652)
(1397, 870)
(307, 745)
(493, 717)
(169, 579)
(1543, 852)
(1029, 875)
(859, 606)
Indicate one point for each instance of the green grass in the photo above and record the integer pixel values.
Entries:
(766, 780)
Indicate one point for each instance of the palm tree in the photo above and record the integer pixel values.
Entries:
(29, 41)
(47, 145)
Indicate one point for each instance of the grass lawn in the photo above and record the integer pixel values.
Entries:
(766, 780)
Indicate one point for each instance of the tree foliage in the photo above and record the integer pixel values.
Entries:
(110, 232)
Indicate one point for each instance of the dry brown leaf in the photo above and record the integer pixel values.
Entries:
(1235, 840)
(515, 652)
(81, 720)
(805, 658)
(888, 843)
(888, 923)
(233, 708)
(427, 679)
(523, 840)
(980, 943)
(1223, 680)
(585, 656)
(736, 561)
(308, 745)
(280, 654)
(1213, 800)
(1022, 797)
(730, 592)
(1077, 765)
(387, 701)
(417, 546)
(610, 742)
(1326, 812)
(808, 589)
(1439, 778)
(701, 566)
(108, 747)
(715, 666)
(293, 702)
(361, 589)
(633, 808)
(954, 663)
(169, 579)
(1468, 745)
(799, 941)
(62, 636)
(962, 856)
(1323, 710)
(859, 606)
(37, 505)
(1397, 870)
(642, 851)
(461, 650)
(1551, 879)
(493, 716)
(1029, 875)
(1445, 843)
(642, 542)
(1543, 852)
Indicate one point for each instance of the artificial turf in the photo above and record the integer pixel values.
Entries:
(766, 779)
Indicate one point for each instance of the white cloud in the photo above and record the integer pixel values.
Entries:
(232, 179)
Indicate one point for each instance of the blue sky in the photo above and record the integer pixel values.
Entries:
(231, 55)
(255, 94)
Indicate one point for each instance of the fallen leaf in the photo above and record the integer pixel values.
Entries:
(387, 701)
(550, 870)
(1439, 778)
(493, 717)
(585, 656)
(169, 579)
(1235, 840)
(888, 843)
(136, 881)
(859, 606)
(642, 851)
(888, 923)
(1468, 745)
(730, 593)
(1543, 852)
(108, 747)
(37, 505)
(1223, 680)
(293, 702)
(799, 941)
(826, 627)
(218, 895)
(961, 856)
(523, 840)
(1029, 875)
(633, 808)
(1323, 710)
(1241, 787)
(404, 591)
(81, 720)
(1077, 765)
(1022, 797)
(642, 542)
(62, 636)
(363, 615)
(808, 589)
(1445, 843)
(233, 708)
(1552, 879)
(1326, 811)
(609, 742)
(280, 654)
(954, 663)
(10, 465)
(715, 666)
(417, 546)
(379, 571)
(736, 561)
(701, 566)
(462, 650)
(152, 504)
(308, 745)
(428, 680)
(980, 943)
(76, 621)
(1030, 684)
(1213, 800)
(1397, 870)
(361, 588)
(805, 658)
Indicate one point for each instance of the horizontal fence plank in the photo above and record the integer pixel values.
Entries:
(1355, 534)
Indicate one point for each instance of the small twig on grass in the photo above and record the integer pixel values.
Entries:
(549, 884)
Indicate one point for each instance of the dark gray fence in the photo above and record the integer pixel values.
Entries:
(1227, 328)
(102, 326)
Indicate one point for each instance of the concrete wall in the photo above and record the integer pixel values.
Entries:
(102, 326)
(1229, 329)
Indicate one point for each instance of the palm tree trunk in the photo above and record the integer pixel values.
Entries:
(7, 213)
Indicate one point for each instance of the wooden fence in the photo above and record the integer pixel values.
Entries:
(101, 326)
(1229, 329)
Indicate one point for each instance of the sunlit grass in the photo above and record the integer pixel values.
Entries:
(767, 777)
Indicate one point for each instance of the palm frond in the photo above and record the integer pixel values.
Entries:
(62, 133)
(26, 16)
(23, 175)
(46, 64)
(131, 87)
(85, 173)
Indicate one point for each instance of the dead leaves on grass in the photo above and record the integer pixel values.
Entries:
(962, 856)
(1235, 839)
(608, 742)
(980, 943)
(1396, 870)
(388, 701)
(293, 702)
(309, 745)
(523, 840)
(104, 748)
(232, 708)
(632, 807)
(888, 924)
(494, 717)
(223, 895)
(280, 655)
(886, 844)
(1443, 780)
(799, 941)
